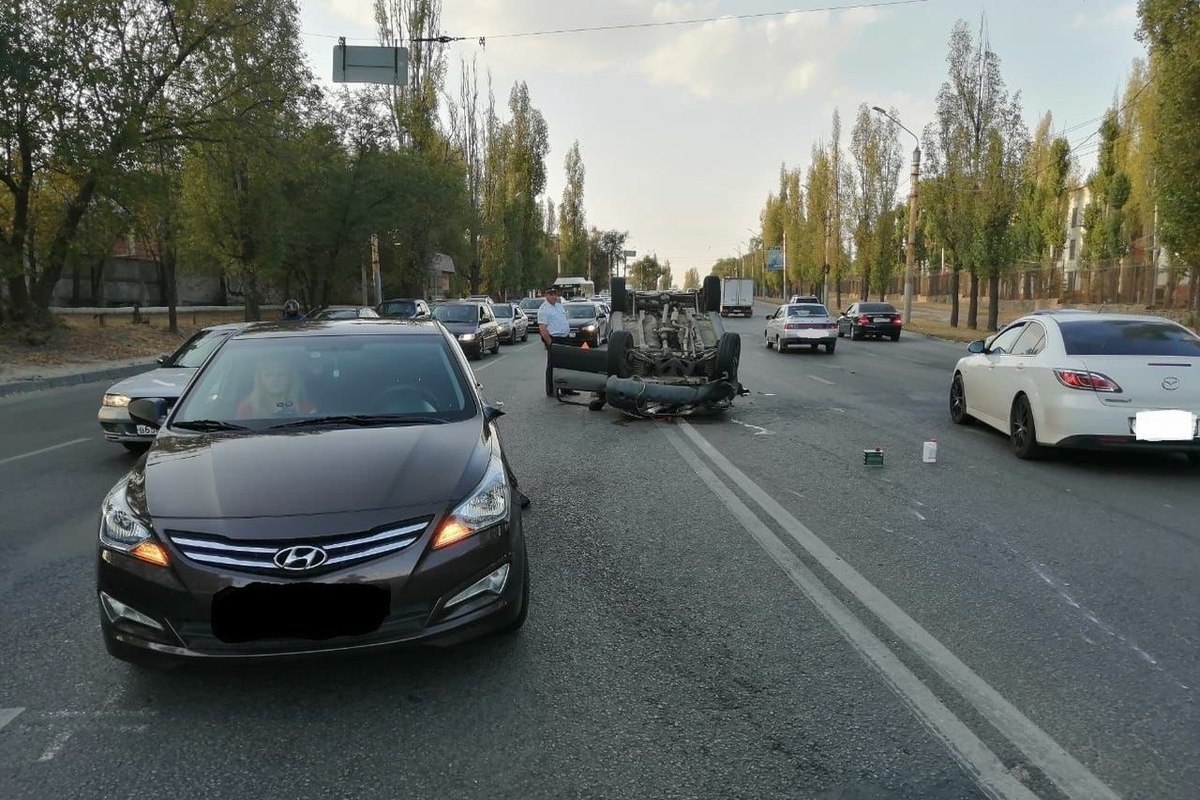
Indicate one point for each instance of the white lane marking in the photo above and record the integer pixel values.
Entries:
(793, 491)
(7, 715)
(918, 502)
(1060, 586)
(757, 430)
(1073, 778)
(819, 379)
(32, 453)
(918, 514)
(56, 744)
(493, 362)
(968, 750)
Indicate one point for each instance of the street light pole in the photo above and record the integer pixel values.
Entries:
(911, 253)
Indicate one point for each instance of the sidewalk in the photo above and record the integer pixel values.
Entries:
(15, 380)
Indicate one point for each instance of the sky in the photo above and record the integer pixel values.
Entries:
(683, 128)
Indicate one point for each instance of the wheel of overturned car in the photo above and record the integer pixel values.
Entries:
(729, 356)
(618, 295)
(620, 345)
(712, 293)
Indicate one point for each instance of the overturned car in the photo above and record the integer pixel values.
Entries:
(668, 355)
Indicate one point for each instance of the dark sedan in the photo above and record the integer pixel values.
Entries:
(588, 323)
(472, 324)
(529, 306)
(319, 488)
(871, 319)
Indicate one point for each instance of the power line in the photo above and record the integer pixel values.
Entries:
(656, 24)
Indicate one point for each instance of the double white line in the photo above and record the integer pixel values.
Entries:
(1072, 778)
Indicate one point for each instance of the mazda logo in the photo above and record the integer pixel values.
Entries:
(1170, 384)
(300, 557)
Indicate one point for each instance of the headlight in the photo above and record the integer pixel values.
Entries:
(589, 327)
(116, 400)
(120, 529)
(466, 337)
(487, 505)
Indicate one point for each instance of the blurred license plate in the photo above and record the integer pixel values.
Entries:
(146, 430)
(1164, 426)
(883, 319)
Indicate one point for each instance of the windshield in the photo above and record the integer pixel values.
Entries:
(196, 349)
(504, 312)
(584, 311)
(457, 313)
(1128, 338)
(808, 310)
(532, 303)
(399, 308)
(876, 308)
(259, 382)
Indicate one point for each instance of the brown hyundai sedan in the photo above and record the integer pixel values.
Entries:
(326, 486)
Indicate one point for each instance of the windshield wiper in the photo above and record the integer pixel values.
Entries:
(208, 425)
(362, 420)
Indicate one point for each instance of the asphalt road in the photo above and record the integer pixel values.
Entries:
(726, 609)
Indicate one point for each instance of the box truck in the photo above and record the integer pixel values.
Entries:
(737, 296)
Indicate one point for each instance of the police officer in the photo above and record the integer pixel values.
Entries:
(291, 311)
(554, 329)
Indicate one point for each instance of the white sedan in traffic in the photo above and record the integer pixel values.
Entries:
(1083, 380)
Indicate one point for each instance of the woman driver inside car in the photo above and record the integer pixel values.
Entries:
(276, 393)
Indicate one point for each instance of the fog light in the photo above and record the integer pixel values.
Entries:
(491, 584)
(115, 610)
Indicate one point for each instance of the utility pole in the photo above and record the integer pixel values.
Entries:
(825, 266)
(785, 266)
(378, 278)
(910, 260)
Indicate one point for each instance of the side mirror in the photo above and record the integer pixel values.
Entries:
(490, 413)
(976, 347)
(148, 410)
(162, 360)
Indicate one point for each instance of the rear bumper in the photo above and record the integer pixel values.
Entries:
(1129, 443)
(728, 310)
(1078, 419)
(877, 329)
(810, 337)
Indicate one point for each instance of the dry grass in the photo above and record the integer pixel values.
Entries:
(942, 330)
(82, 339)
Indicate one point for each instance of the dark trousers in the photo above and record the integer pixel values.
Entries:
(550, 369)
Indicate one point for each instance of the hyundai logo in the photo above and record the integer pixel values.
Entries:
(300, 557)
(1170, 384)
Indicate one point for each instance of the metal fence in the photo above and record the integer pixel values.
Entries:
(1162, 287)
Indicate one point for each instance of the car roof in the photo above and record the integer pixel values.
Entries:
(1066, 315)
(372, 326)
(225, 326)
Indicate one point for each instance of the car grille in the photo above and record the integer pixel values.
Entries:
(259, 555)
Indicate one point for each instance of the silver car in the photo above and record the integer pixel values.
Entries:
(514, 325)
(166, 381)
(802, 323)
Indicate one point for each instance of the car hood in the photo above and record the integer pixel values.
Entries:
(461, 327)
(312, 472)
(165, 382)
(579, 323)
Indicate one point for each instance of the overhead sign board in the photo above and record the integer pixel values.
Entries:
(630, 254)
(385, 65)
(775, 259)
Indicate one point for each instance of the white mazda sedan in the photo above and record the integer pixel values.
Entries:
(1083, 380)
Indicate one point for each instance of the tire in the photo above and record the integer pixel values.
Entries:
(958, 402)
(1022, 434)
(620, 345)
(712, 293)
(895, 337)
(855, 334)
(814, 346)
(768, 338)
(137, 448)
(780, 347)
(841, 335)
(829, 348)
(729, 356)
(1193, 459)
(496, 348)
(619, 296)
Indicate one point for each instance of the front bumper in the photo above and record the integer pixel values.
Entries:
(471, 349)
(118, 426)
(578, 336)
(180, 599)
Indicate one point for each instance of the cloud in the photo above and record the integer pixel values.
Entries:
(1118, 16)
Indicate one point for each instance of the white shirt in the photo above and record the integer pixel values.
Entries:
(554, 317)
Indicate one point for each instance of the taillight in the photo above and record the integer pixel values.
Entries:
(792, 326)
(1080, 379)
(864, 320)
(897, 320)
(832, 326)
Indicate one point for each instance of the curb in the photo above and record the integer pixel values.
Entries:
(73, 379)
